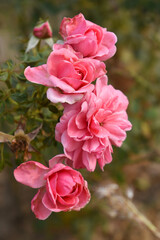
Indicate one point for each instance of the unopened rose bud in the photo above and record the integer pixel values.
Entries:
(43, 31)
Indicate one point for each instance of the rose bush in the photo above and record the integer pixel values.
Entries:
(60, 187)
(68, 76)
(89, 127)
(94, 116)
(88, 38)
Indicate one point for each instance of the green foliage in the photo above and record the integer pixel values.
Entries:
(22, 101)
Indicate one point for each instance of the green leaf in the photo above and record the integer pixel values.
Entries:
(29, 60)
(2, 107)
(46, 127)
(31, 89)
(3, 76)
(10, 64)
(21, 77)
(13, 81)
(53, 109)
(19, 97)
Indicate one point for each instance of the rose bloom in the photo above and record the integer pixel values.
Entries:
(89, 127)
(68, 76)
(88, 38)
(43, 31)
(60, 187)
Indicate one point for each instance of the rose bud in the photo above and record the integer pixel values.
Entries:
(43, 31)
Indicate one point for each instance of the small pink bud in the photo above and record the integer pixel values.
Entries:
(43, 31)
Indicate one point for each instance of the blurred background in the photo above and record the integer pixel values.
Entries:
(135, 70)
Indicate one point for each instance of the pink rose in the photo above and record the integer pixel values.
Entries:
(88, 38)
(89, 127)
(68, 76)
(60, 187)
(43, 31)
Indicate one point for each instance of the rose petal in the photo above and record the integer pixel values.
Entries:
(65, 183)
(84, 198)
(89, 160)
(57, 159)
(100, 84)
(55, 96)
(40, 211)
(31, 174)
(69, 143)
(48, 203)
(38, 75)
(73, 25)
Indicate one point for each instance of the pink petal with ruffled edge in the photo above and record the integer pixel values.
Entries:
(74, 131)
(91, 145)
(109, 39)
(48, 203)
(60, 56)
(57, 159)
(40, 211)
(38, 75)
(69, 143)
(61, 158)
(84, 197)
(100, 84)
(75, 25)
(55, 96)
(62, 125)
(108, 48)
(89, 160)
(65, 183)
(31, 174)
(105, 157)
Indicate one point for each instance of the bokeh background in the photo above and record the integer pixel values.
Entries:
(135, 70)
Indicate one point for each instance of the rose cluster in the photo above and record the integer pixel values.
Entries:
(93, 120)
